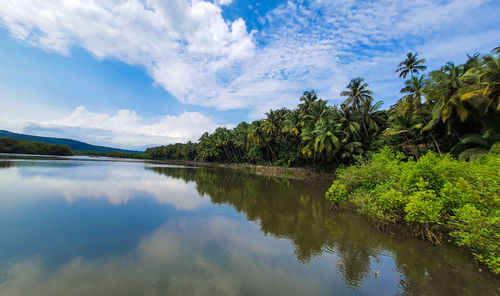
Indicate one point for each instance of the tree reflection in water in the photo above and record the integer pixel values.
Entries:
(296, 210)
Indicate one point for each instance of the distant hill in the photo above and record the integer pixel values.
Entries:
(72, 144)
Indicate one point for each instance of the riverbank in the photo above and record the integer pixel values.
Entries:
(266, 170)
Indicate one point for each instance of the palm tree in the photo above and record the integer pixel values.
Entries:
(321, 138)
(483, 81)
(403, 124)
(349, 149)
(412, 102)
(240, 140)
(357, 94)
(255, 134)
(473, 61)
(442, 90)
(326, 138)
(274, 123)
(347, 125)
(307, 99)
(258, 136)
(371, 116)
(293, 122)
(317, 110)
(411, 65)
(413, 91)
(272, 128)
(496, 49)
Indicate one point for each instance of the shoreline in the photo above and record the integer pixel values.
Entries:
(265, 170)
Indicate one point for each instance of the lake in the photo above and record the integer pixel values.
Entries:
(81, 227)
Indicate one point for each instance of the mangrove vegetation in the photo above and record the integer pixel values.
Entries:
(439, 197)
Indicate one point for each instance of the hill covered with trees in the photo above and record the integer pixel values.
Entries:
(72, 144)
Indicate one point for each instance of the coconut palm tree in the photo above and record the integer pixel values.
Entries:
(412, 102)
(356, 93)
(404, 125)
(347, 125)
(240, 140)
(292, 123)
(274, 123)
(411, 65)
(326, 138)
(307, 99)
(321, 139)
(473, 61)
(413, 91)
(483, 81)
(443, 92)
(371, 117)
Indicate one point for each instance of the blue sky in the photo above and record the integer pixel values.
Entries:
(138, 73)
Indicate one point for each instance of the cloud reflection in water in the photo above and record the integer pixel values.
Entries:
(117, 183)
(223, 257)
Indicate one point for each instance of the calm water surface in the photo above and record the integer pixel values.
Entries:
(73, 227)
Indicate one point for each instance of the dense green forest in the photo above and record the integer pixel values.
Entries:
(8, 145)
(454, 109)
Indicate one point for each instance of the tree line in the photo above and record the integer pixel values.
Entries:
(454, 109)
(9, 145)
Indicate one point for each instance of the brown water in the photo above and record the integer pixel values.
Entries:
(73, 227)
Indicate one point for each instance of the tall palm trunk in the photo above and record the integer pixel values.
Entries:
(432, 136)
(366, 133)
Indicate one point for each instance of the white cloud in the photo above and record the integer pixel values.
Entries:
(201, 58)
(183, 44)
(224, 2)
(323, 44)
(125, 128)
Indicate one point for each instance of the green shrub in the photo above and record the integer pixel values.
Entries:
(337, 192)
(437, 195)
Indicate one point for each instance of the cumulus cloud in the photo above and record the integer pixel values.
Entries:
(200, 57)
(183, 44)
(125, 128)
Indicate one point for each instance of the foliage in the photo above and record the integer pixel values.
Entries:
(454, 109)
(436, 196)
(175, 151)
(8, 145)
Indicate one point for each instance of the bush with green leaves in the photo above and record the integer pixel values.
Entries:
(437, 196)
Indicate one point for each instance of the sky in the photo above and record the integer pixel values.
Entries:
(141, 73)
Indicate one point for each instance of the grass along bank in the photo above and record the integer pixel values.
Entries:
(438, 197)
